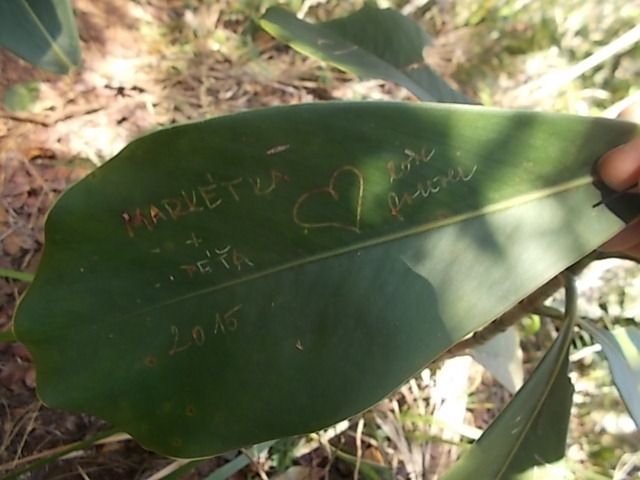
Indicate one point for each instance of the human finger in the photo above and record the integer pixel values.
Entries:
(627, 240)
(620, 167)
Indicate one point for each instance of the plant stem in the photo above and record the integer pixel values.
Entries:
(546, 311)
(507, 319)
(16, 275)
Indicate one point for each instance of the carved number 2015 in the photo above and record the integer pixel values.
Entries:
(227, 322)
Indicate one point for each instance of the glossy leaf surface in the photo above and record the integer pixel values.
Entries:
(268, 273)
(43, 32)
(527, 440)
(371, 43)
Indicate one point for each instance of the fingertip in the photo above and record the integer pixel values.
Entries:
(620, 168)
(626, 240)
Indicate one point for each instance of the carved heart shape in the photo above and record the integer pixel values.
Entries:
(318, 193)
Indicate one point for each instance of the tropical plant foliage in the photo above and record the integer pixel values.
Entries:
(233, 275)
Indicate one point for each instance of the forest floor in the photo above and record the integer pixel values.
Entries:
(157, 62)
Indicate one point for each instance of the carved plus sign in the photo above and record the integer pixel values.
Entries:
(195, 241)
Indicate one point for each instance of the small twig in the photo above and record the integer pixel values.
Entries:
(555, 81)
(35, 174)
(27, 431)
(6, 437)
(114, 438)
(169, 469)
(369, 439)
(27, 258)
(16, 428)
(80, 111)
(626, 465)
(412, 6)
(256, 465)
(359, 429)
(35, 214)
(69, 113)
(329, 452)
(82, 473)
(508, 318)
(25, 119)
(7, 233)
(585, 352)
(550, 312)
(617, 108)
(306, 5)
(44, 458)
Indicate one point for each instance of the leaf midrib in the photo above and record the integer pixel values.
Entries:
(488, 209)
(54, 46)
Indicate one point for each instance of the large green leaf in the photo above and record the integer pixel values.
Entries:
(268, 273)
(370, 43)
(43, 32)
(527, 440)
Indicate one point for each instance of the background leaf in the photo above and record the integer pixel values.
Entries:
(21, 96)
(385, 44)
(261, 259)
(238, 463)
(621, 346)
(502, 356)
(527, 440)
(43, 32)
(371, 43)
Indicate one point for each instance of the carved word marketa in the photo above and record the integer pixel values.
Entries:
(208, 196)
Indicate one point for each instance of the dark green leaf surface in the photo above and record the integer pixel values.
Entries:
(268, 273)
(527, 440)
(43, 32)
(371, 43)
